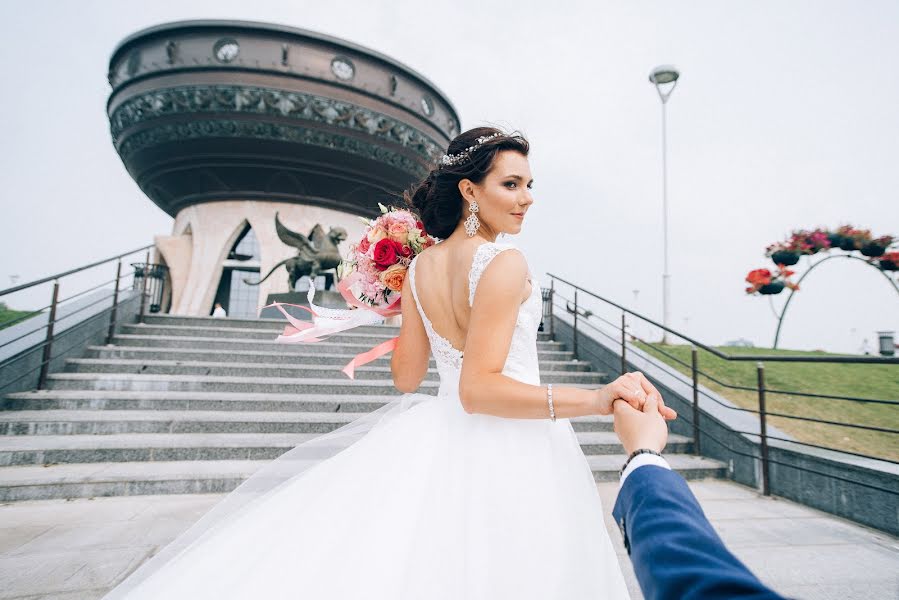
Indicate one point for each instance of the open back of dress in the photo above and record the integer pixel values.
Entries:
(521, 362)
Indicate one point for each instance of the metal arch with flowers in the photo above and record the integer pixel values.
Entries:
(370, 280)
(809, 242)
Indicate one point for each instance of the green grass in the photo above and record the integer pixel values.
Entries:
(857, 380)
(7, 315)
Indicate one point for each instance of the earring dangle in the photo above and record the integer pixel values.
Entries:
(471, 222)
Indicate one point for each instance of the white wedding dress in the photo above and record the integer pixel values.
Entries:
(416, 500)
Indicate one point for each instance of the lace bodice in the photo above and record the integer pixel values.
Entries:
(521, 362)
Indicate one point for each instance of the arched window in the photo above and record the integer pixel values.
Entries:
(239, 299)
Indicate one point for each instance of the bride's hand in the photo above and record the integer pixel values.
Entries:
(634, 388)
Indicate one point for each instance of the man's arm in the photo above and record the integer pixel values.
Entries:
(673, 547)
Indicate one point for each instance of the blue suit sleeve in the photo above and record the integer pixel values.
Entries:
(673, 547)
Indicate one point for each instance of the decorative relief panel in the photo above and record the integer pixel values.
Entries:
(297, 106)
(271, 131)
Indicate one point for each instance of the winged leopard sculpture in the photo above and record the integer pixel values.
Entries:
(316, 253)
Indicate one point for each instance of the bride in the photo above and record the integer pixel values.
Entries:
(479, 492)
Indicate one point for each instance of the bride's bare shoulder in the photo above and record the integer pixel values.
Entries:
(428, 253)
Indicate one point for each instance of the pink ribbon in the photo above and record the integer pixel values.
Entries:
(328, 321)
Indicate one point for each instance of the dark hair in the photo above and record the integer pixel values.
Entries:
(437, 199)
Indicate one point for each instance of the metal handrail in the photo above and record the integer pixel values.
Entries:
(580, 317)
(46, 345)
(715, 439)
(49, 278)
(718, 353)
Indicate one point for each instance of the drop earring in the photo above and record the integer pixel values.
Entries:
(471, 222)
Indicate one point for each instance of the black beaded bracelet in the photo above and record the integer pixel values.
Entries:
(635, 454)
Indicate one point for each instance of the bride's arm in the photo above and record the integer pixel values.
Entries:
(409, 360)
(482, 386)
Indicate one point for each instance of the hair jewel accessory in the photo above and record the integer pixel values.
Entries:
(449, 160)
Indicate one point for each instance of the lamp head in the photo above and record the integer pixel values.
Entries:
(663, 74)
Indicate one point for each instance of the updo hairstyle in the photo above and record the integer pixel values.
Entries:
(437, 199)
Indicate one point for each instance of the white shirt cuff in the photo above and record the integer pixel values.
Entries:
(642, 460)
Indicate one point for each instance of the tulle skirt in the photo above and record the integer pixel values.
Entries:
(417, 500)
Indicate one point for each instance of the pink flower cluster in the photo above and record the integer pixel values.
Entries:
(802, 242)
(384, 253)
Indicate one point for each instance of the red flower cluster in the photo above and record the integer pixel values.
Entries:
(762, 277)
(809, 242)
(759, 277)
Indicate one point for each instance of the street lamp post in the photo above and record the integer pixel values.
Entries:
(634, 328)
(664, 75)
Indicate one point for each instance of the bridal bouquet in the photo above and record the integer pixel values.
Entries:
(370, 280)
(377, 265)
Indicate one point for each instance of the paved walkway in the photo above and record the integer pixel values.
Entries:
(78, 549)
(800, 552)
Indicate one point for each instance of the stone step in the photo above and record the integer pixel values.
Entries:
(188, 383)
(357, 335)
(196, 383)
(606, 467)
(271, 325)
(178, 367)
(108, 422)
(83, 399)
(130, 447)
(85, 480)
(38, 423)
(551, 350)
(29, 406)
(353, 336)
(276, 325)
(290, 355)
(105, 422)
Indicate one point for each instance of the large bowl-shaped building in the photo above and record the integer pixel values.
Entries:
(224, 124)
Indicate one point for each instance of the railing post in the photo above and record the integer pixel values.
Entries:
(143, 289)
(623, 346)
(552, 332)
(115, 302)
(696, 447)
(763, 429)
(574, 344)
(48, 342)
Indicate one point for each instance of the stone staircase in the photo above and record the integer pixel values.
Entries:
(195, 405)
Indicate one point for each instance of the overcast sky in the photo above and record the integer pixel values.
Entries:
(785, 117)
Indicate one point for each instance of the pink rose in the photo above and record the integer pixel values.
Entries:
(398, 232)
(377, 234)
(404, 250)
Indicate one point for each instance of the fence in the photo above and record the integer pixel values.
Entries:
(34, 344)
(798, 468)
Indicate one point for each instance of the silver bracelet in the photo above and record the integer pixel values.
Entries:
(549, 399)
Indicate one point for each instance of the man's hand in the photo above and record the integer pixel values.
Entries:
(643, 428)
(634, 388)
